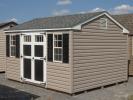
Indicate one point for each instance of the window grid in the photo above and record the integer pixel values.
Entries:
(58, 48)
(27, 38)
(38, 38)
(12, 45)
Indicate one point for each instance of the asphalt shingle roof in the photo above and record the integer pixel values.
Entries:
(65, 21)
(7, 23)
(126, 20)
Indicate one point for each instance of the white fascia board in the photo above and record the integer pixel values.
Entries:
(40, 30)
(121, 26)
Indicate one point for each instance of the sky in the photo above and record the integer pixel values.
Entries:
(24, 10)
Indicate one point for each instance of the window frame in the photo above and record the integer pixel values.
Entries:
(57, 48)
(12, 45)
(106, 24)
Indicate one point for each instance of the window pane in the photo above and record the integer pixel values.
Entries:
(27, 50)
(14, 37)
(60, 57)
(58, 54)
(27, 38)
(38, 50)
(13, 50)
(38, 38)
(55, 44)
(14, 43)
(56, 51)
(59, 43)
(55, 37)
(56, 57)
(59, 37)
(59, 51)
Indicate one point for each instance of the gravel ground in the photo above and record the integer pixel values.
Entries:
(116, 92)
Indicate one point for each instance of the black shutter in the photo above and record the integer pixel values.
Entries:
(65, 48)
(7, 45)
(50, 47)
(17, 46)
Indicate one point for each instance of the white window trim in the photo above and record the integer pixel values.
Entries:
(12, 45)
(106, 23)
(58, 47)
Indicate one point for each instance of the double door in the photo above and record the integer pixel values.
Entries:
(34, 57)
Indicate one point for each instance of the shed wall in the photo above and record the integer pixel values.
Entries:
(13, 68)
(130, 55)
(3, 48)
(59, 75)
(2, 51)
(100, 56)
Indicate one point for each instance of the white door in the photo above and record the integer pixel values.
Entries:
(33, 57)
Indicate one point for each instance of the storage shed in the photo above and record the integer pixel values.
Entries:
(70, 53)
(127, 21)
(4, 26)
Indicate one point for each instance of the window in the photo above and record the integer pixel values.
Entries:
(103, 23)
(38, 38)
(27, 50)
(57, 48)
(13, 45)
(27, 38)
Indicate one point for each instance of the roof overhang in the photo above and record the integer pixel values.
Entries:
(76, 27)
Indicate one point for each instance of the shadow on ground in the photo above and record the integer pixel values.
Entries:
(8, 93)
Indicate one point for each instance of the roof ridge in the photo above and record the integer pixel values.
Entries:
(71, 15)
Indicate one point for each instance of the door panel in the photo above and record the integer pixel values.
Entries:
(27, 68)
(39, 70)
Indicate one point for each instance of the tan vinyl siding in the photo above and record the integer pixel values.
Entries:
(129, 47)
(100, 56)
(3, 48)
(13, 68)
(131, 66)
(2, 51)
(59, 75)
(130, 54)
